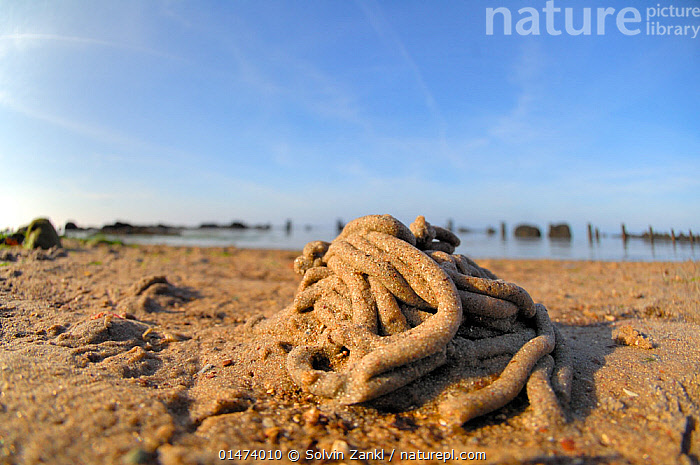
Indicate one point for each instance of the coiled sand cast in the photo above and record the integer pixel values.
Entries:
(384, 305)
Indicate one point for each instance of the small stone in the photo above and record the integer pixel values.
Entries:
(137, 455)
(568, 444)
(204, 369)
(272, 433)
(311, 416)
(161, 436)
(174, 337)
(341, 446)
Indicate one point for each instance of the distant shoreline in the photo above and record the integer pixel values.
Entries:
(475, 243)
(477, 246)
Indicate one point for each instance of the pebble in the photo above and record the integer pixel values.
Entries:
(205, 368)
(341, 446)
(137, 455)
(311, 416)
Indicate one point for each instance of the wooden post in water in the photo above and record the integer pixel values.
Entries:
(503, 230)
(651, 234)
(590, 233)
(597, 234)
(288, 227)
(692, 239)
(673, 237)
(450, 224)
(624, 233)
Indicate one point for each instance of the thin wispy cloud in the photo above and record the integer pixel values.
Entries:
(277, 75)
(91, 131)
(392, 41)
(148, 152)
(23, 39)
(520, 123)
(441, 146)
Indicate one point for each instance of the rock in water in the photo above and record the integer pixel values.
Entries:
(559, 231)
(41, 234)
(526, 230)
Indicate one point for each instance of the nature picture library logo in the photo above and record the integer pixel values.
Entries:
(534, 19)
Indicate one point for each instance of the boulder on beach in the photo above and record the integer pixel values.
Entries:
(41, 234)
(559, 231)
(526, 230)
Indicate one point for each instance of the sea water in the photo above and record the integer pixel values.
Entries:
(474, 244)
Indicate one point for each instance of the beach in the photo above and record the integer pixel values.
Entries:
(123, 354)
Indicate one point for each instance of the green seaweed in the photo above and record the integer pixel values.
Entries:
(100, 238)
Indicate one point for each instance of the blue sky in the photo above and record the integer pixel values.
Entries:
(185, 112)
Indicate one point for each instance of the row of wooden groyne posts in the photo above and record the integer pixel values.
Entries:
(563, 231)
(649, 235)
(652, 235)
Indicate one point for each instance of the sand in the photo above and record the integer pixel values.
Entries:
(127, 354)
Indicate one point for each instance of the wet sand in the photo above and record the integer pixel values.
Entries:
(125, 354)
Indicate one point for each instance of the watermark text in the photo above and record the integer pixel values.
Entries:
(661, 20)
